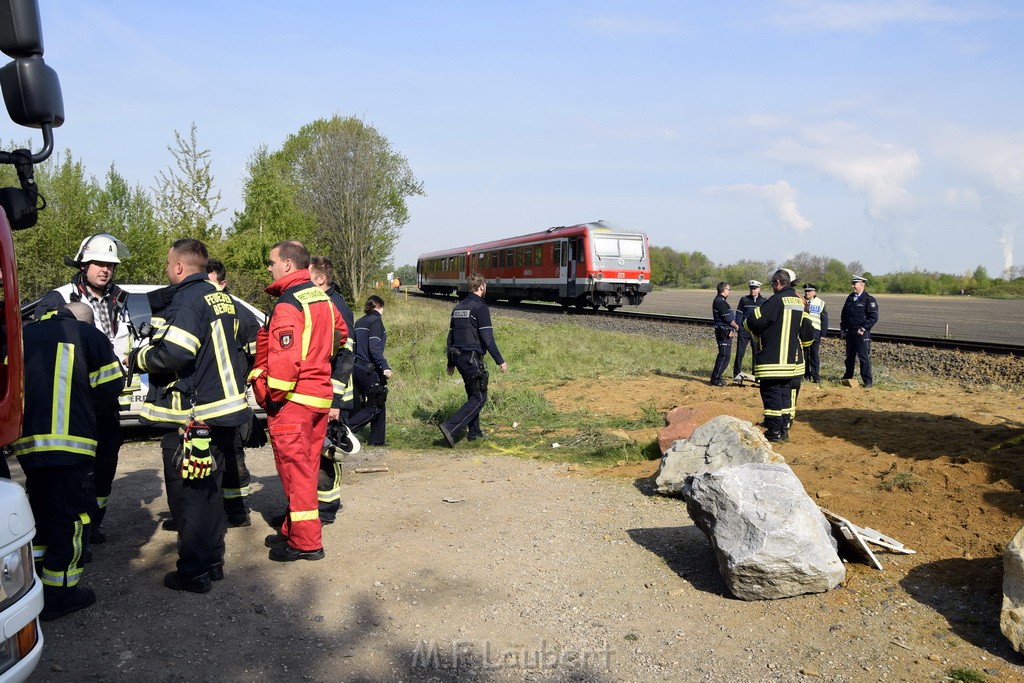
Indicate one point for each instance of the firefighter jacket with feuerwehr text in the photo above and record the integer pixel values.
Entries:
(193, 359)
(470, 329)
(859, 313)
(71, 373)
(344, 359)
(295, 348)
(783, 329)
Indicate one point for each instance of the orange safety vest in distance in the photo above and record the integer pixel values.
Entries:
(295, 348)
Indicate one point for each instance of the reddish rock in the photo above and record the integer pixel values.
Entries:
(682, 420)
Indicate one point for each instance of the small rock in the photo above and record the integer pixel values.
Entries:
(809, 672)
(821, 495)
(935, 658)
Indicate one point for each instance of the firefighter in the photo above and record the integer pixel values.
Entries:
(328, 487)
(96, 262)
(292, 381)
(860, 313)
(371, 372)
(73, 371)
(194, 390)
(725, 327)
(744, 309)
(819, 320)
(783, 330)
(470, 337)
(235, 485)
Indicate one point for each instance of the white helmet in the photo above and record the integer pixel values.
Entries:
(102, 247)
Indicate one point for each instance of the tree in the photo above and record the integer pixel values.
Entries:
(354, 184)
(186, 202)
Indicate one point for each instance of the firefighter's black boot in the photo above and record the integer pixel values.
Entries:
(58, 601)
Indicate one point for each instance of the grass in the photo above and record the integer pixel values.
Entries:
(904, 481)
(966, 675)
(518, 418)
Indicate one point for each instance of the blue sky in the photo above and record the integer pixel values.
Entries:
(884, 132)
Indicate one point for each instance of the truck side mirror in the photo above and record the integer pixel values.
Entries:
(20, 32)
(32, 92)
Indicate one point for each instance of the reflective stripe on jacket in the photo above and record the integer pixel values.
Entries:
(783, 329)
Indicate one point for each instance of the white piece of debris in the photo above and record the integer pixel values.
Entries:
(857, 539)
(370, 470)
(556, 445)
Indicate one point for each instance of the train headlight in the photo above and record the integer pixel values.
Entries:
(640, 277)
(600, 276)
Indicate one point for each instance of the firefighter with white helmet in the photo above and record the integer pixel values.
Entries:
(96, 260)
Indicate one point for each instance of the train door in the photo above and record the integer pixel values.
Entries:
(575, 252)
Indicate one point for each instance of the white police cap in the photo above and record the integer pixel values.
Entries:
(858, 278)
(753, 284)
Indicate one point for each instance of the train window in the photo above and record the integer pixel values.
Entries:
(509, 257)
(494, 259)
(519, 257)
(556, 253)
(619, 247)
(538, 255)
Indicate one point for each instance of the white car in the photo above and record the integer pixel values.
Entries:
(21, 593)
(139, 312)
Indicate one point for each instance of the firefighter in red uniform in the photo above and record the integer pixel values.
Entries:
(292, 381)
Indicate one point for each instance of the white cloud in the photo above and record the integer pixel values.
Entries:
(867, 15)
(779, 199)
(625, 25)
(876, 170)
(993, 158)
(962, 196)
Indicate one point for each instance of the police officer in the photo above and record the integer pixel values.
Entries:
(783, 329)
(860, 313)
(470, 336)
(371, 372)
(73, 370)
(744, 309)
(725, 327)
(819, 321)
(96, 262)
(193, 373)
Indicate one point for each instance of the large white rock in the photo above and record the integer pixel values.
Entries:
(1011, 617)
(769, 537)
(723, 440)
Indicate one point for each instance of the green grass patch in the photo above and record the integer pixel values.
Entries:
(518, 419)
(966, 675)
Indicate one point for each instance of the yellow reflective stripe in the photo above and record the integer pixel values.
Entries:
(179, 337)
(232, 494)
(307, 400)
(38, 443)
(101, 501)
(206, 411)
(338, 387)
(69, 577)
(250, 348)
(222, 353)
(256, 372)
(304, 515)
(60, 415)
(280, 384)
(105, 374)
(38, 551)
(305, 298)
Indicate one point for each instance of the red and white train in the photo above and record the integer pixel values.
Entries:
(590, 264)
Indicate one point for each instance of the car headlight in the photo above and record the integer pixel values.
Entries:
(16, 575)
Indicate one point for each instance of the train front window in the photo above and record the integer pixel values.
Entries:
(619, 247)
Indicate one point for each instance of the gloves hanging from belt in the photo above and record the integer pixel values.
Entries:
(196, 457)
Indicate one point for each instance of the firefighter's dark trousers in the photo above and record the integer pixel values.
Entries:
(61, 498)
(197, 505)
(328, 489)
(236, 479)
(108, 446)
(779, 399)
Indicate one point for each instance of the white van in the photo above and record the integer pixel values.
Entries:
(21, 592)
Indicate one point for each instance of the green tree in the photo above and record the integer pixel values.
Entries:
(407, 274)
(186, 200)
(355, 185)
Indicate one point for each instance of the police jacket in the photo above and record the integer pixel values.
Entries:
(72, 373)
(819, 316)
(783, 329)
(341, 366)
(370, 339)
(861, 313)
(470, 329)
(193, 358)
(114, 299)
(745, 308)
(295, 348)
(722, 313)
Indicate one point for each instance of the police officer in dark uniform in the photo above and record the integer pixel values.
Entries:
(744, 309)
(193, 372)
(860, 313)
(725, 327)
(73, 371)
(470, 336)
(371, 372)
